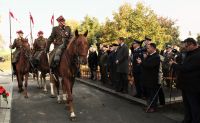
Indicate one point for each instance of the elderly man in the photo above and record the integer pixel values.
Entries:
(150, 75)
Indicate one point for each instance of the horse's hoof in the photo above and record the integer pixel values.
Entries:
(26, 96)
(73, 118)
(52, 96)
(20, 90)
(59, 101)
(45, 92)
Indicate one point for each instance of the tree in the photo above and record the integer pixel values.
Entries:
(73, 24)
(93, 26)
(138, 22)
(198, 38)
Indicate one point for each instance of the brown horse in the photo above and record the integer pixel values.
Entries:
(23, 67)
(74, 55)
(42, 68)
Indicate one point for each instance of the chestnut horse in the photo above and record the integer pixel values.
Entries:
(74, 55)
(43, 69)
(23, 67)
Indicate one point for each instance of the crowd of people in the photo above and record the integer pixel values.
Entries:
(152, 69)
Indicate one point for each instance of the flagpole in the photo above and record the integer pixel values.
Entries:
(31, 32)
(10, 44)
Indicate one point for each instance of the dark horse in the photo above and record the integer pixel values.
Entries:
(23, 67)
(74, 55)
(43, 68)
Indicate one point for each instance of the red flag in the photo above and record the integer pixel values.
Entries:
(52, 20)
(31, 18)
(11, 15)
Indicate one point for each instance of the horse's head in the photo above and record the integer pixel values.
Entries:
(82, 47)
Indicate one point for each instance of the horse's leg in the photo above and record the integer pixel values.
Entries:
(43, 77)
(57, 84)
(52, 81)
(26, 84)
(64, 92)
(37, 77)
(70, 98)
(19, 80)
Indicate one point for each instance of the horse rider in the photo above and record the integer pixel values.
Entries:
(17, 45)
(39, 46)
(60, 36)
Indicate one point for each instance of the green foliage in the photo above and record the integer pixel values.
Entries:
(73, 24)
(93, 26)
(198, 38)
(138, 22)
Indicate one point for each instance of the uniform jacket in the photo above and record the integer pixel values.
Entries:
(58, 35)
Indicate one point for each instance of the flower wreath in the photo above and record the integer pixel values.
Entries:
(4, 93)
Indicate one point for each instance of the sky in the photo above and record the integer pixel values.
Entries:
(184, 12)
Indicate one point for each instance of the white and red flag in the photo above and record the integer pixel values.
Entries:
(52, 20)
(31, 18)
(12, 15)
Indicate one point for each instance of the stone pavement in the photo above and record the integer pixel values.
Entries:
(5, 109)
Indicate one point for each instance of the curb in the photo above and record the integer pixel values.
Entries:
(113, 92)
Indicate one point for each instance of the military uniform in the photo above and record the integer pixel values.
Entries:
(60, 38)
(38, 46)
(17, 45)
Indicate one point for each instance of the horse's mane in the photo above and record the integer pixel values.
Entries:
(71, 41)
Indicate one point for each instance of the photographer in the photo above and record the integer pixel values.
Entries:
(188, 78)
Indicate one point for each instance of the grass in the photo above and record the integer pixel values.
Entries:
(5, 66)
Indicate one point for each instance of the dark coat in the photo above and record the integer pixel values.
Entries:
(92, 60)
(150, 71)
(122, 57)
(188, 76)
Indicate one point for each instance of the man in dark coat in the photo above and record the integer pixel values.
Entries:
(188, 80)
(136, 68)
(112, 65)
(92, 63)
(60, 36)
(122, 65)
(150, 75)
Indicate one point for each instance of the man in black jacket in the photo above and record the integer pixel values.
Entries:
(188, 80)
(122, 65)
(150, 75)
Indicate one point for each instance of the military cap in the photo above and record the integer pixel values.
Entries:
(147, 38)
(60, 18)
(40, 32)
(168, 46)
(121, 38)
(115, 44)
(20, 32)
(136, 41)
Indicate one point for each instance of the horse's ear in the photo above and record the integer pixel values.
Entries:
(85, 34)
(76, 33)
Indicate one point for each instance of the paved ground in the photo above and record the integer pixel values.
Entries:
(91, 105)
